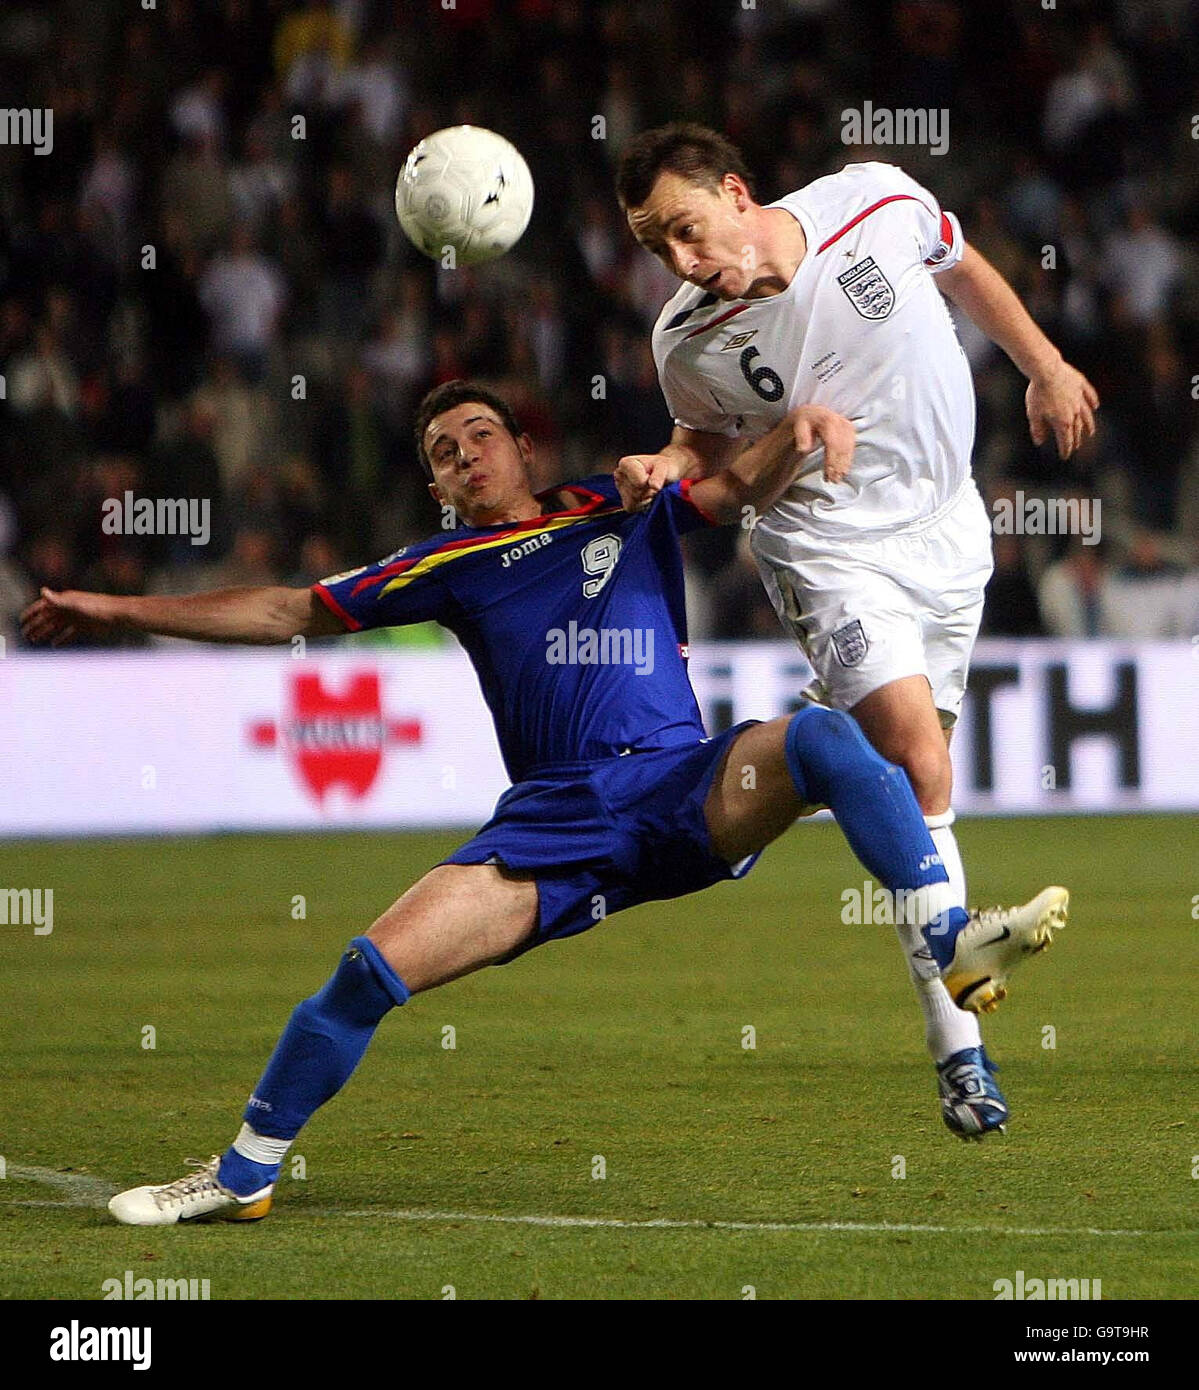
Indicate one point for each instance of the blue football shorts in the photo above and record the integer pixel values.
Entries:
(599, 837)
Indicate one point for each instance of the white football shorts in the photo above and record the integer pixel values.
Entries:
(870, 611)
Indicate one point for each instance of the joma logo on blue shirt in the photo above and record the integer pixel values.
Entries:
(518, 552)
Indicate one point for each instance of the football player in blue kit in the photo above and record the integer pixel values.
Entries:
(571, 611)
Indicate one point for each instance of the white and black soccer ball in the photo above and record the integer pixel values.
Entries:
(466, 188)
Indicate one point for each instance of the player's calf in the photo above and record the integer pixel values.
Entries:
(454, 920)
(974, 953)
(830, 760)
(323, 1042)
(902, 724)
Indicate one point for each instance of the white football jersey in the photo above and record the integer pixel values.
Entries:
(861, 329)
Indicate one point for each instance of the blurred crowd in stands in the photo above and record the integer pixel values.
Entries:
(204, 291)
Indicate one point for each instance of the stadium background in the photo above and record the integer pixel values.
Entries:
(278, 256)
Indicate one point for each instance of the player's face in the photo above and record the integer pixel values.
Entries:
(479, 469)
(700, 234)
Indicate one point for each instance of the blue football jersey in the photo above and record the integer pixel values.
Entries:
(574, 621)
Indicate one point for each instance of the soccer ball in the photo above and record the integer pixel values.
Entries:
(464, 188)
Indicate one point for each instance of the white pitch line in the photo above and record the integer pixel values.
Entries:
(94, 1192)
(665, 1223)
(31, 1202)
(84, 1191)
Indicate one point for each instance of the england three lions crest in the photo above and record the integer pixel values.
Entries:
(850, 644)
(868, 289)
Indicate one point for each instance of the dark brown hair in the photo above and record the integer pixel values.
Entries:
(692, 151)
(446, 397)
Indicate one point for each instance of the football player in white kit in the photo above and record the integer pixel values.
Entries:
(832, 296)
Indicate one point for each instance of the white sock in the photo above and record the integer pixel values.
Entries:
(260, 1148)
(947, 1029)
(941, 829)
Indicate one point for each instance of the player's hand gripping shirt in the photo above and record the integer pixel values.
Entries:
(574, 621)
(861, 329)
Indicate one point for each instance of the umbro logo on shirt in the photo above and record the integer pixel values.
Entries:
(739, 340)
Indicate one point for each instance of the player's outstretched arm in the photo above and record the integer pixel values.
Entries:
(690, 454)
(757, 478)
(1060, 400)
(252, 615)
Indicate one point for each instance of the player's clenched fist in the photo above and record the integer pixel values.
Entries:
(57, 617)
(817, 424)
(640, 477)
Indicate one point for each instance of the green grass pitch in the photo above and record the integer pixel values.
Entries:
(624, 1045)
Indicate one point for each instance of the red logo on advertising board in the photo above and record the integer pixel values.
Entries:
(335, 740)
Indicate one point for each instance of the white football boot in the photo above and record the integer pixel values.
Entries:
(197, 1197)
(994, 941)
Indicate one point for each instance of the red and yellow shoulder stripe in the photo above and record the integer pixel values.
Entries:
(396, 576)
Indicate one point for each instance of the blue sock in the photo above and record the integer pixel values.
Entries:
(831, 762)
(322, 1044)
(242, 1175)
